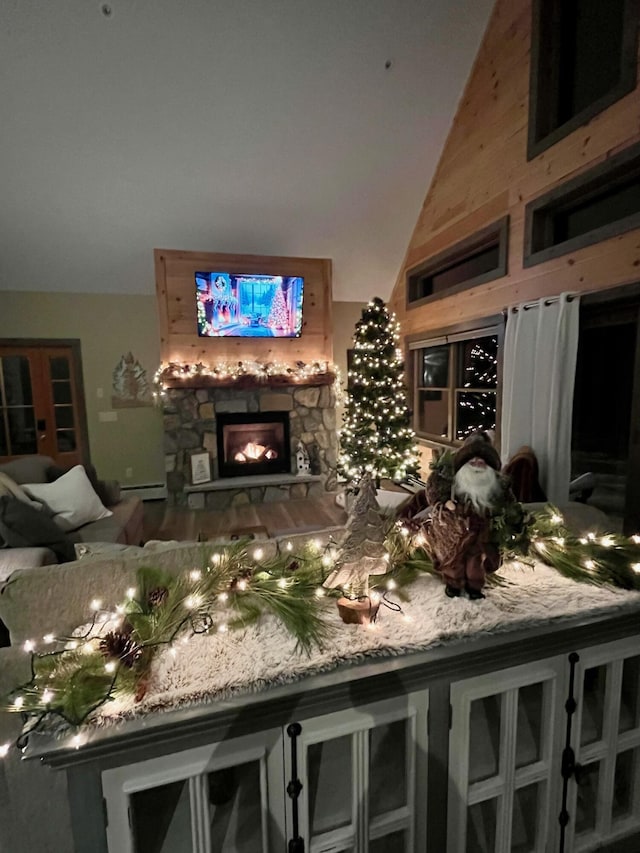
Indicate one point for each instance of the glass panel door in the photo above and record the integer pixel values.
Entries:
(41, 403)
(359, 778)
(225, 797)
(604, 797)
(504, 755)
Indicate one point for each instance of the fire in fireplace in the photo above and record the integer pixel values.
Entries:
(253, 443)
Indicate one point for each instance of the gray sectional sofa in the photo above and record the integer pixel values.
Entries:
(124, 526)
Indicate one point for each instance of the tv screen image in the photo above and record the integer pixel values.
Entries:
(255, 306)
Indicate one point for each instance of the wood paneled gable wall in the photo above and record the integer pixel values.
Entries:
(483, 175)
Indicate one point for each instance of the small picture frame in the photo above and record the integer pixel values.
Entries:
(200, 468)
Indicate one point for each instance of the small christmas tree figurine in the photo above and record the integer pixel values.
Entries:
(377, 434)
(361, 553)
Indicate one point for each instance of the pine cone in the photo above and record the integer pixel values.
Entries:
(118, 645)
(157, 596)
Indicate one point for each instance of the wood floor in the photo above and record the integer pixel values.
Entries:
(269, 519)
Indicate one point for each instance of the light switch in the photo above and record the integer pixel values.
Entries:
(107, 416)
(99, 393)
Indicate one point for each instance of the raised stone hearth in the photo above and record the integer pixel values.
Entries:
(190, 427)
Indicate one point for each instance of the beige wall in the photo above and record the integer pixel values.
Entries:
(108, 327)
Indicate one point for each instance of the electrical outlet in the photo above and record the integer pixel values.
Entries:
(99, 393)
(128, 473)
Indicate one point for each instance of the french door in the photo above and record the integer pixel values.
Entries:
(42, 402)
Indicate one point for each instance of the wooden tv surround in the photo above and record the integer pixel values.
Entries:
(176, 294)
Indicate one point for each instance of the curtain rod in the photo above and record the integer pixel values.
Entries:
(528, 305)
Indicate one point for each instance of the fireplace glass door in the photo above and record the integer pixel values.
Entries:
(253, 443)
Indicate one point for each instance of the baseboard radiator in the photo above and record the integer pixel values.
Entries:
(146, 491)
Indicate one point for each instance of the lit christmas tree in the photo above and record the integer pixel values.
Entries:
(279, 316)
(376, 434)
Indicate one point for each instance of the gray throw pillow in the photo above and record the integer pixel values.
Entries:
(22, 526)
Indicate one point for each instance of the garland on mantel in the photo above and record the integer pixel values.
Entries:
(226, 373)
(112, 655)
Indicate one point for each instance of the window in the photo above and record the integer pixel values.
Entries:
(455, 383)
(601, 203)
(478, 259)
(583, 59)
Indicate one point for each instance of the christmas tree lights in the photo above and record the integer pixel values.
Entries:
(377, 436)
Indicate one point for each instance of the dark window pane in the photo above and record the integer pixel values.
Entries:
(235, 807)
(330, 774)
(61, 392)
(530, 718)
(589, 56)
(624, 783)
(387, 768)
(394, 843)
(483, 261)
(482, 819)
(478, 363)
(4, 447)
(484, 738)
(595, 680)
(432, 411)
(161, 819)
(22, 431)
(59, 367)
(64, 417)
(434, 371)
(525, 821)
(66, 440)
(17, 380)
(587, 792)
(474, 411)
(629, 696)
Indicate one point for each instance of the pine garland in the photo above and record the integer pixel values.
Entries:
(112, 656)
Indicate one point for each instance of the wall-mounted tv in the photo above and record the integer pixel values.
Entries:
(247, 305)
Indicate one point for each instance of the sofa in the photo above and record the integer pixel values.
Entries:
(124, 524)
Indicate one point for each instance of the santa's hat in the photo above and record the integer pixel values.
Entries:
(477, 444)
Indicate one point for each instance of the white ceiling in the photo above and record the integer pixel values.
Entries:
(255, 126)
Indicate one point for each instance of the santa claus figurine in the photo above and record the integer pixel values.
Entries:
(465, 494)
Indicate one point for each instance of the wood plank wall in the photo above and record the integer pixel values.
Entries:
(484, 174)
(176, 294)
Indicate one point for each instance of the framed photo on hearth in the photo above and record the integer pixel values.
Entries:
(200, 468)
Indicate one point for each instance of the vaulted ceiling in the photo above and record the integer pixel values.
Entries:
(285, 127)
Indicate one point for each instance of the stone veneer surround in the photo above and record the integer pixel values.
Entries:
(190, 427)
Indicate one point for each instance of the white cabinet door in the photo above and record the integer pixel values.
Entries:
(505, 746)
(604, 798)
(363, 774)
(222, 798)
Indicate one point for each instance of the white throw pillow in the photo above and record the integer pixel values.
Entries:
(71, 499)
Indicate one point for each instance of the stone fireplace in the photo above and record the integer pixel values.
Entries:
(251, 435)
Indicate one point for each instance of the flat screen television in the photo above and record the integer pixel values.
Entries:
(247, 305)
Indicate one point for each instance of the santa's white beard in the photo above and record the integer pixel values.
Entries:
(478, 485)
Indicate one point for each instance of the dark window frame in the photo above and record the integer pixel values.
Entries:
(497, 232)
(538, 221)
(542, 96)
(459, 333)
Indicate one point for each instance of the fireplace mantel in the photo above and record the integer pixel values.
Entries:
(244, 382)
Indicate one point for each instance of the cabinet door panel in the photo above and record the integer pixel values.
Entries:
(604, 800)
(359, 776)
(220, 798)
(504, 757)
